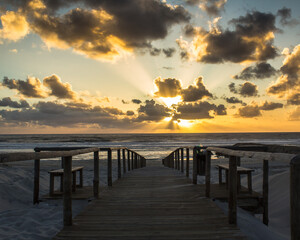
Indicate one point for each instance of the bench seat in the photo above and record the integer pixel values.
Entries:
(60, 173)
(240, 171)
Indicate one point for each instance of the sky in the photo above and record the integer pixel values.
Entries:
(149, 66)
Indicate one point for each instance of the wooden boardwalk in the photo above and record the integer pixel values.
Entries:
(155, 202)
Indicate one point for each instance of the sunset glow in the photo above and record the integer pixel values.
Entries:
(197, 66)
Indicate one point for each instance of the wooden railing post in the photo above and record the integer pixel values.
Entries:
(232, 198)
(187, 168)
(207, 173)
(295, 197)
(265, 192)
(182, 160)
(36, 184)
(173, 160)
(67, 195)
(132, 161)
(195, 167)
(119, 163)
(128, 159)
(124, 160)
(109, 168)
(178, 160)
(96, 175)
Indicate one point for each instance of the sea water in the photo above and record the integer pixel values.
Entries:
(151, 146)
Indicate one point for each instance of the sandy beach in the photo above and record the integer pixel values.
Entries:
(20, 219)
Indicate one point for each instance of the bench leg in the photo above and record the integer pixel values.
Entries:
(74, 182)
(249, 182)
(51, 188)
(81, 178)
(220, 175)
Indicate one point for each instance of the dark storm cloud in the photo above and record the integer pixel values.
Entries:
(201, 110)
(31, 87)
(249, 111)
(258, 71)
(247, 89)
(285, 15)
(251, 40)
(195, 92)
(152, 111)
(104, 29)
(136, 101)
(169, 87)
(130, 113)
(269, 106)
(155, 51)
(57, 114)
(59, 89)
(233, 100)
(254, 110)
(7, 102)
(169, 52)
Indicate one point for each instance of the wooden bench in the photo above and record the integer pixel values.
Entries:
(240, 171)
(60, 173)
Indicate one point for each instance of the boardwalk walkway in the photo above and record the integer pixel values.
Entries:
(152, 203)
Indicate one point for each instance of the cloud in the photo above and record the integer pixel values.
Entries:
(269, 106)
(104, 30)
(211, 7)
(233, 100)
(130, 113)
(295, 115)
(195, 92)
(7, 102)
(14, 26)
(59, 89)
(258, 71)
(251, 40)
(168, 87)
(152, 111)
(57, 115)
(169, 52)
(199, 110)
(249, 111)
(136, 101)
(31, 88)
(285, 15)
(154, 51)
(294, 99)
(254, 110)
(288, 84)
(247, 89)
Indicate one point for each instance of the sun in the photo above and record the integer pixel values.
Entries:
(169, 101)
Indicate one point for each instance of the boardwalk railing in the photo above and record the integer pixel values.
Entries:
(203, 154)
(134, 160)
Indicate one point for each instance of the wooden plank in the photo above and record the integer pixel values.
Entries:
(232, 185)
(109, 168)
(36, 185)
(187, 168)
(96, 175)
(207, 173)
(152, 203)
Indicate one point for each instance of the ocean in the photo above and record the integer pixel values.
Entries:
(151, 146)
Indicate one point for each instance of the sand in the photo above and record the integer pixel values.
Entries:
(20, 219)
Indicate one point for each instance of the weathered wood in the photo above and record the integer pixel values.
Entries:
(124, 160)
(295, 197)
(139, 208)
(36, 184)
(119, 163)
(128, 160)
(24, 156)
(96, 175)
(182, 160)
(266, 192)
(195, 167)
(187, 168)
(67, 195)
(282, 157)
(207, 172)
(132, 160)
(109, 168)
(232, 198)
